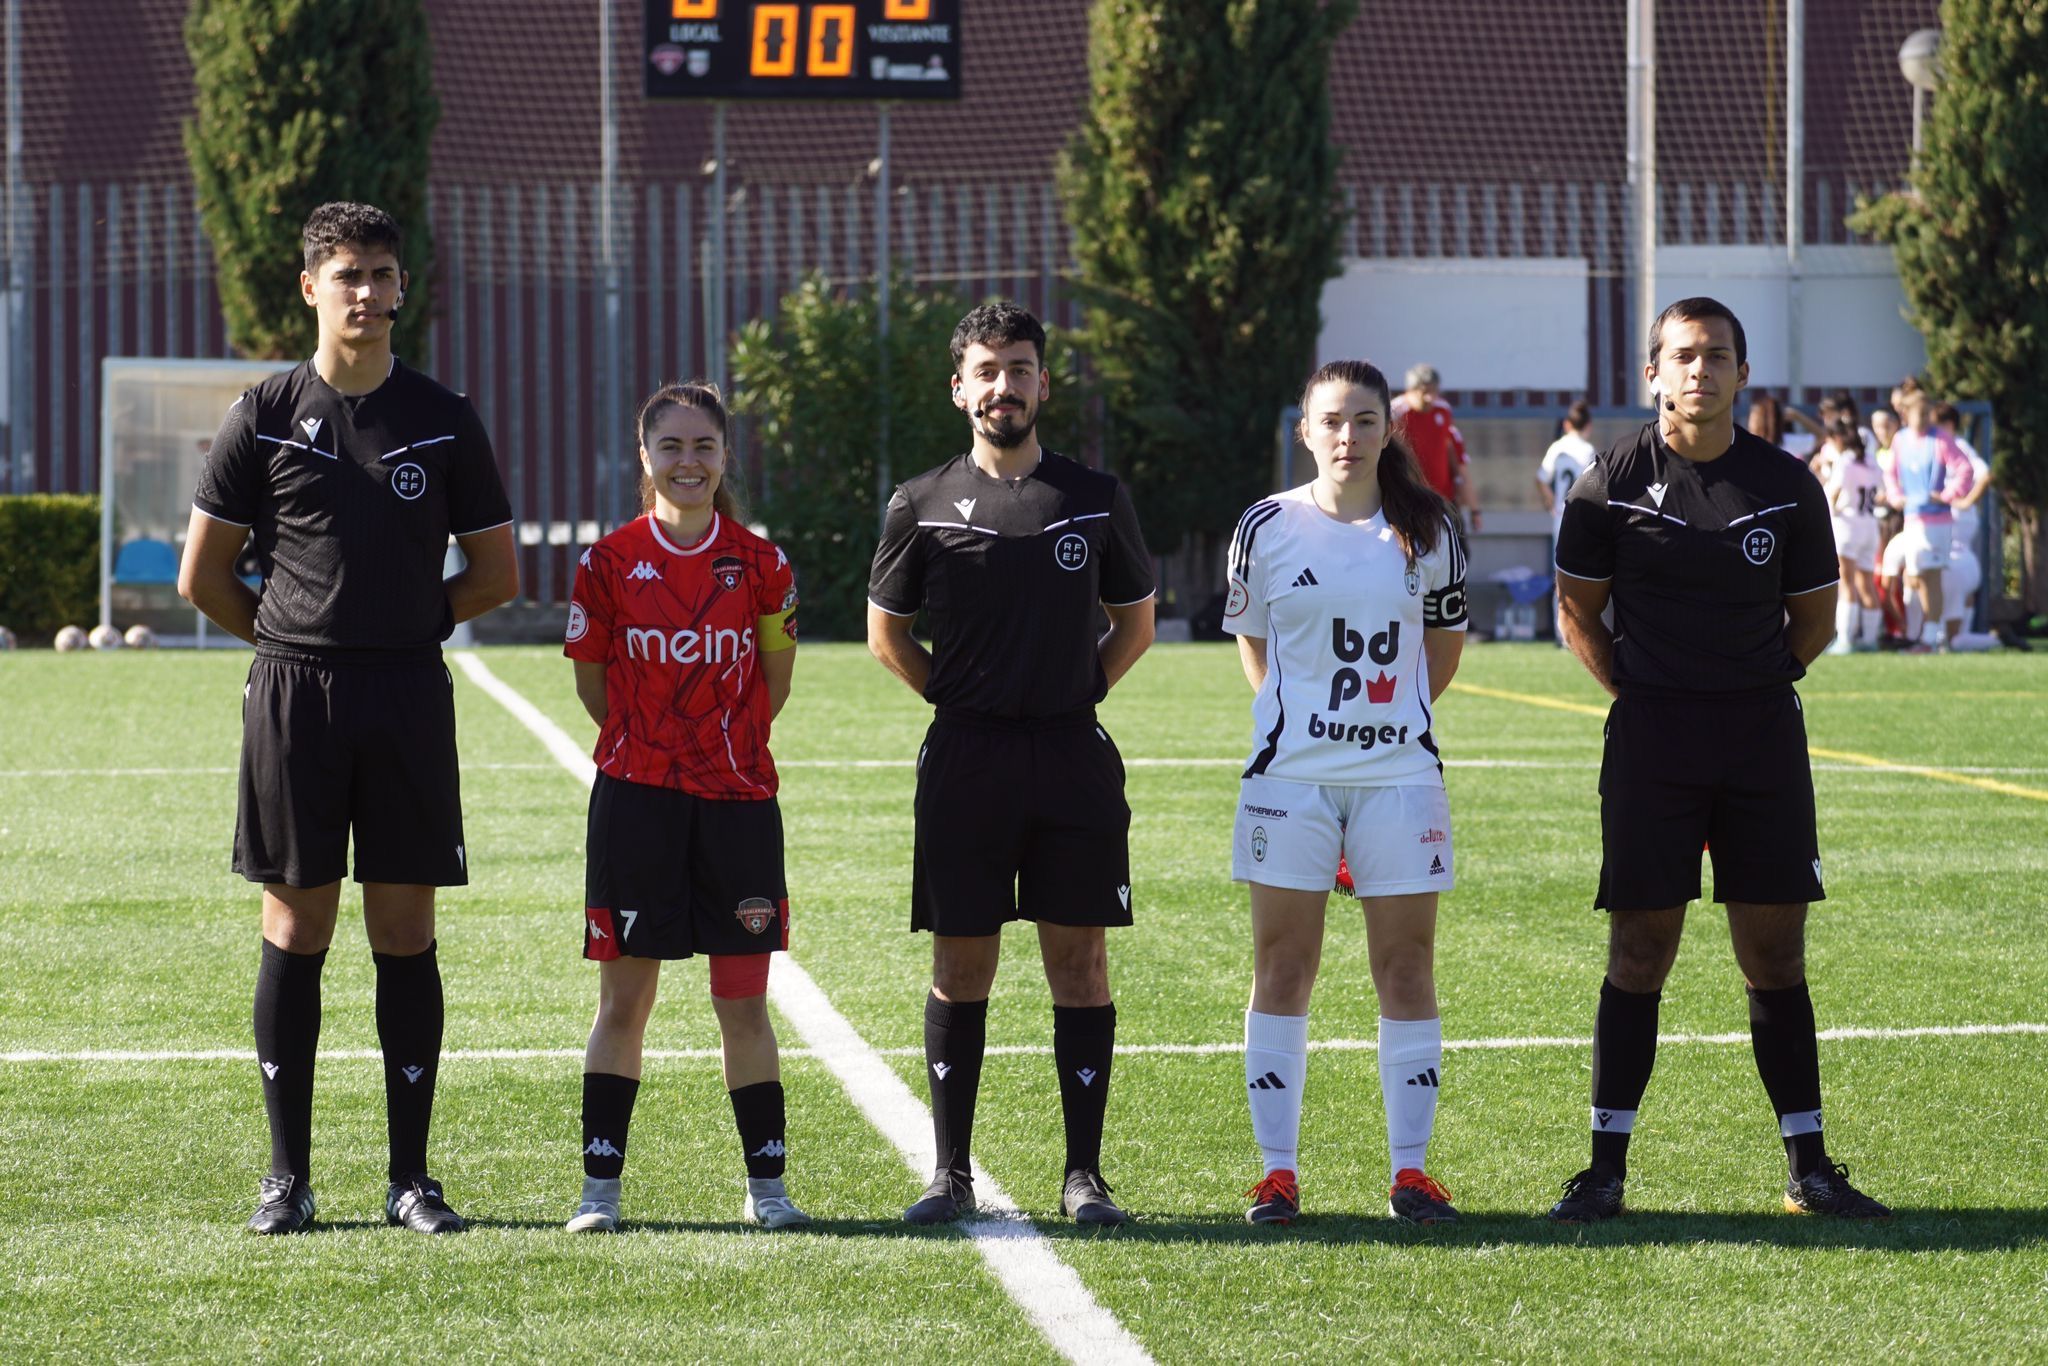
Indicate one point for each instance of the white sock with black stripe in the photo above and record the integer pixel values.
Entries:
(1411, 1065)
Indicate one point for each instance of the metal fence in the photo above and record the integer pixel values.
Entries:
(554, 339)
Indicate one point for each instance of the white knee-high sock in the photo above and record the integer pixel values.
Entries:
(1872, 622)
(1845, 620)
(1411, 1064)
(1275, 1066)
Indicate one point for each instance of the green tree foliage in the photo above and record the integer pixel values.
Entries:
(808, 388)
(49, 562)
(1971, 237)
(1200, 188)
(300, 102)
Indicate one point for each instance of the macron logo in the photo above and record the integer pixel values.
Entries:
(270, 1070)
(413, 1074)
(1123, 894)
(1657, 493)
(1087, 1076)
(311, 425)
(966, 506)
(942, 1068)
(644, 571)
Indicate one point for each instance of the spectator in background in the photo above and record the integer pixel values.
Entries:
(1568, 457)
(1430, 429)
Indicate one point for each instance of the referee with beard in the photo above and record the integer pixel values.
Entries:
(1012, 552)
(1716, 551)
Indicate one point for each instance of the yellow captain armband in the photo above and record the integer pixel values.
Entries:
(776, 631)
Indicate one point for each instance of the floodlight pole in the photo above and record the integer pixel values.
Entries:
(13, 339)
(883, 482)
(614, 360)
(1795, 189)
(1642, 174)
(714, 302)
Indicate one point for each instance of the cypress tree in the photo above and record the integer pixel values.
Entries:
(1972, 247)
(299, 102)
(1201, 191)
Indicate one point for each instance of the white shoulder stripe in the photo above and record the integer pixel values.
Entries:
(216, 516)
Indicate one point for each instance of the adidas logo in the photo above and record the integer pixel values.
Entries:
(270, 1070)
(966, 506)
(1123, 894)
(413, 1074)
(602, 1147)
(644, 571)
(1436, 864)
(1269, 1082)
(1427, 1078)
(1306, 579)
(1087, 1076)
(942, 1068)
(772, 1148)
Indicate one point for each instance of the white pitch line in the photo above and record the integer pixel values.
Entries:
(1847, 1033)
(1049, 1292)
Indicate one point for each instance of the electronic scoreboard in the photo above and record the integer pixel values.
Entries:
(803, 49)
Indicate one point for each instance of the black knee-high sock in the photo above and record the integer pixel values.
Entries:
(758, 1110)
(1083, 1044)
(287, 1019)
(1624, 1051)
(955, 1033)
(1788, 1059)
(607, 1113)
(409, 1031)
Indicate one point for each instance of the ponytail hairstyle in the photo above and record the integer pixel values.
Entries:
(702, 395)
(1416, 512)
(1842, 431)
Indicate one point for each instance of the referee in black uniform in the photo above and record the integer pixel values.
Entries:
(1012, 552)
(351, 472)
(1715, 549)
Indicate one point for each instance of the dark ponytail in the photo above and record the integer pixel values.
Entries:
(1417, 513)
(702, 395)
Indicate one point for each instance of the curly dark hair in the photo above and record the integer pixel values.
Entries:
(996, 325)
(343, 223)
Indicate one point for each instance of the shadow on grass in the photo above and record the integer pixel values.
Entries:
(817, 1228)
(1910, 1230)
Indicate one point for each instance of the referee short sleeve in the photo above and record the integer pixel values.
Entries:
(1585, 535)
(476, 495)
(231, 481)
(1810, 561)
(896, 581)
(1127, 572)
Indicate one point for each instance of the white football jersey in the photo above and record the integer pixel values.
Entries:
(1342, 611)
(1570, 456)
(1855, 488)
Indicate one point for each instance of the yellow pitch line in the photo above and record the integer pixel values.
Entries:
(1845, 756)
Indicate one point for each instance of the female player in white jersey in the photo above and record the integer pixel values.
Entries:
(1347, 597)
(683, 633)
(1854, 489)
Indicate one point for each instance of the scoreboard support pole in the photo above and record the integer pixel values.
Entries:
(715, 295)
(883, 481)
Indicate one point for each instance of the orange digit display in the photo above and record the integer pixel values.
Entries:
(831, 46)
(915, 11)
(694, 9)
(775, 39)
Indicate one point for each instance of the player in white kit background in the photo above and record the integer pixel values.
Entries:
(1854, 488)
(1347, 596)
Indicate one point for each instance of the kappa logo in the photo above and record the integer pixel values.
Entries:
(1123, 894)
(1436, 864)
(1758, 544)
(1306, 579)
(413, 1074)
(584, 559)
(772, 1148)
(311, 426)
(597, 932)
(644, 571)
(942, 1068)
(755, 914)
(602, 1147)
(1657, 493)
(270, 1070)
(1087, 1076)
(966, 506)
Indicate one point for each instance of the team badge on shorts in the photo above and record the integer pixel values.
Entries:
(727, 570)
(1758, 544)
(1070, 551)
(1258, 844)
(756, 914)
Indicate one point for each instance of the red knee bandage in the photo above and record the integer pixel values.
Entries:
(736, 976)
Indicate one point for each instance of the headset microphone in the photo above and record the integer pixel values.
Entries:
(1669, 406)
(395, 305)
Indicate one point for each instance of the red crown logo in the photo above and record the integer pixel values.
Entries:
(1379, 689)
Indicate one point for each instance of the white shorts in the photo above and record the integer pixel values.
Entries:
(1856, 541)
(1927, 544)
(1396, 839)
(1963, 577)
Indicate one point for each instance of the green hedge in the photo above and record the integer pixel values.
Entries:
(49, 562)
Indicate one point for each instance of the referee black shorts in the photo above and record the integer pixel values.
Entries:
(1020, 821)
(1727, 775)
(334, 749)
(668, 874)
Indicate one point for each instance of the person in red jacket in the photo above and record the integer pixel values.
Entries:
(1430, 428)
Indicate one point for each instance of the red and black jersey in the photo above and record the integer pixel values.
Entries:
(682, 631)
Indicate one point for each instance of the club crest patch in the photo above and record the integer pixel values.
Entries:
(756, 914)
(408, 481)
(1757, 545)
(728, 569)
(1070, 551)
(1412, 580)
(1240, 599)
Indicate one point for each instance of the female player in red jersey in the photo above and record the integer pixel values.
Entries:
(683, 631)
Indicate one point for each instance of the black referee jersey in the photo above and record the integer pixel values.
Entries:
(352, 501)
(1008, 573)
(1701, 558)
